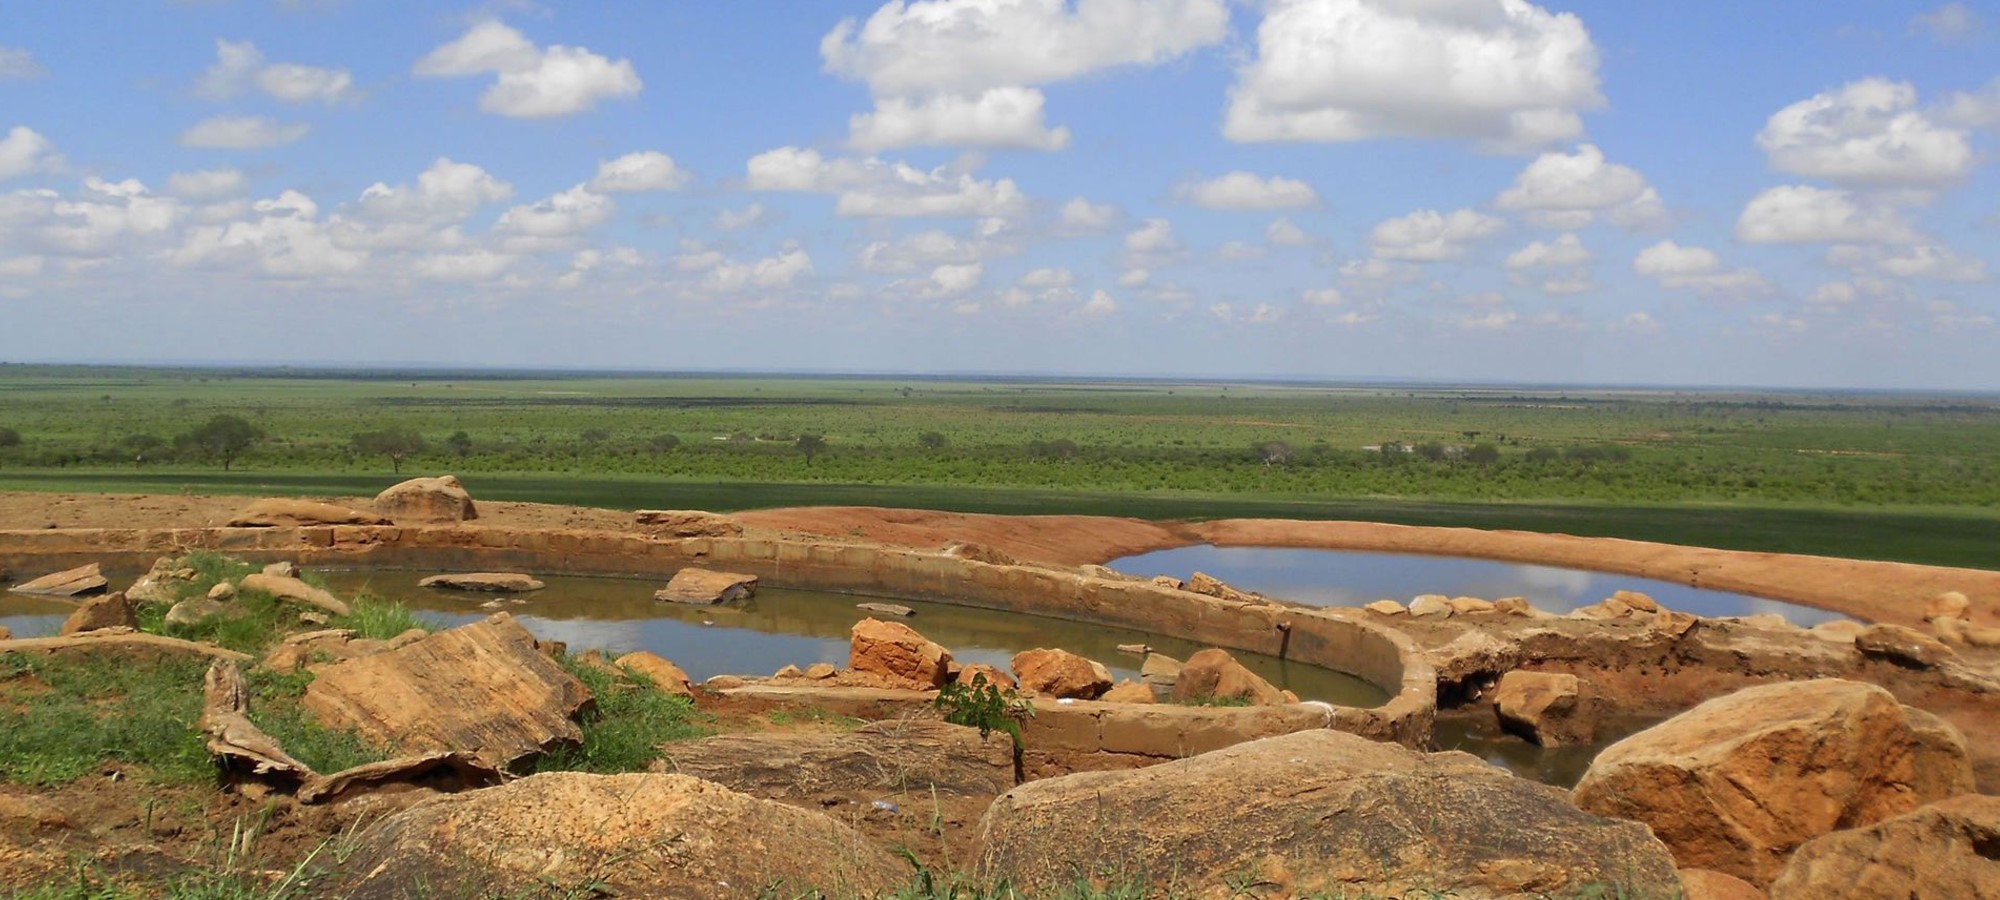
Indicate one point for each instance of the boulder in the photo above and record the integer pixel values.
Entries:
(1138, 650)
(1060, 673)
(1213, 674)
(1948, 605)
(279, 512)
(1947, 849)
(1673, 622)
(1636, 601)
(980, 553)
(1739, 782)
(1514, 606)
(898, 756)
(482, 689)
(1470, 605)
(1208, 585)
(6, 634)
(160, 584)
(886, 609)
(1707, 884)
(222, 591)
(704, 587)
(1169, 582)
(1957, 631)
(1905, 647)
(194, 610)
(993, 675)
(1160, 670)
(1430, 605)
(292, 590)
(77, 582)
(107, 611)
(485, 582)
(664, 674)
(1838, 631)
(686, 523)
(1129, 691)
(822, 671)
(641, 835)
(898, 655)
(1386, 608)
(1549, 708)
(283, 569)
(440, 499)
(1314, 812)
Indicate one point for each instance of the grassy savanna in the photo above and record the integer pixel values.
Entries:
(1914, 477)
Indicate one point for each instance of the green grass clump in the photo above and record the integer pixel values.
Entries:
(61, 718)
(624, 729)
(380, 619)
(275, 708)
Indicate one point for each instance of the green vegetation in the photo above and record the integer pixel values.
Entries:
(1913, 477)
(64, 717)
(624, 729)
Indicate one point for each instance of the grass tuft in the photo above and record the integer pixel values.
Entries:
(63, 717)
(381, 619)
(623, 730)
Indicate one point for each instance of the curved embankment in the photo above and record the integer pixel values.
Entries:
(1082, 734)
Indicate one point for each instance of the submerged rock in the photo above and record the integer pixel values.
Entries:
(1552, 709)
(705, 587)
(486, 582)
(1213, 674)
(886, 609)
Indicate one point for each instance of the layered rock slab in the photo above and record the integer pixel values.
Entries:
(1947, 849)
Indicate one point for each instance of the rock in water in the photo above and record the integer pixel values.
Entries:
(886, 609)
(487, 582)
(440, 499)
(1060, 673)
(284, 513)
(108, 611)
(1213, 674)
(1548, 708)
(897, 654)
(1947, 849)
(701, 586)
(85, 579)
(1737, 783)
(1315, 811)
(620, 835)
(482, 689)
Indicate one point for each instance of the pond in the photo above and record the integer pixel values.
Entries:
(1352, 578)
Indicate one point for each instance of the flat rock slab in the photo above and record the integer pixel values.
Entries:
(86, 579)
(281, 513)
(686, 523)
(294, 591)
(702, 586)
(488, 582)
(97, 613)
(910, 757)
(480, 689)
(887, 609)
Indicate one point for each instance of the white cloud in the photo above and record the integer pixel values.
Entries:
(951, 280)
(562, 215)
(739, 219)
(1928, 261)
(448, 191)
(1243, 190)
(1801, 214)
(1100, 304)
(1429, 236)
(1868, 133)
(282, 238)
(25, 150)
(1323, 297)
(1560, 190)
(1283, 233)
(1974, 109)
(1238, 251)
(1564, 251)
(1080, 216)
(241, 133)
(1695, 268)
(1134, 278)
(912, 252)
(472, 265)
(1048, 278)
(1948, 24)
(531, 82)
(873, 188)
(1638, 323)
(21, 267)
(105, 219)
(17, 62)
(1507, 73)
(780, 271)
(239, 65)
(1153, 236)
(206, 184)
(648, 170)
(965, 72)
(1379, 271)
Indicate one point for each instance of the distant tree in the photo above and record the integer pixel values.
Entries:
(1431, 450)
(460, 444)
(223, 437)
(145, 448)
(931, 440)
(811, 445)
(1275, 453)
(9, 437)
(664, 443)
(1543, 454)
(1483, 454)
(740, 437)
(1058, 449)
(396, 443)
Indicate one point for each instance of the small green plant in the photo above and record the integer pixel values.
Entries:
(380, 619)
(624, 729)
(988, 707)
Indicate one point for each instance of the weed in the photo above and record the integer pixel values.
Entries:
(380, 619)
(63, 717)
(623, 730)
(989, 708)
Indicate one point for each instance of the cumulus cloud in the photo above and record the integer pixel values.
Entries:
(1571, 190)
(1567, 250)
(645, 171)
(1927, 261)
(1869, 133)
(1099, 304)
(1948, 24)
(1134, 278)
(968, 72)
(954, 279)
(739, 219)
(206, 184)
(25, 150)
(1323, 297)
(530, 82)
(1153, 237)
(1974, 109)
(1243, 190)
(1284, 233)
(772, 272)
(1506, 73)
(1080, 216)
(17, 62)
(104, 219)
(873, 188)
(1801, 214)
(470, 265)
(447, 191)
(1429, 236)
(1695, 268)
(282, 238)
(562, 215)
(925, 248)
(241, 133)
(240, 66)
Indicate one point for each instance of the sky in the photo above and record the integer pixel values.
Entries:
(1787, 193)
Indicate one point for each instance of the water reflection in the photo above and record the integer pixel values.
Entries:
(1351, 578)
(1560, 766)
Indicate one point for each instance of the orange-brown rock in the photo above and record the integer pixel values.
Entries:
(482, 689)
(85, 579)
(418, 500)
(1903, 646)
(1386, 608)
(664, 674)
(1514, 606)
(622, 835)
(1129, 691)
(1315, 813)
(278, 512)
(1948, 605)
(1636, 601)
(1213, 674)
(980, 553)
(993, 675)
(1739, 782)
(1060, 673)
(1947, 849)
(485, 582)
(107, 611)
(1550, 708)
(294, 591)
(686, 523)
(1471, 605)
(898, 655)
(705, 587)
(1707, 884)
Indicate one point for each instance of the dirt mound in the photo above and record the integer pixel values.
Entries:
(1066, 540)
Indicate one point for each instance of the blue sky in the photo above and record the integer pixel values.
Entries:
(1784, 193)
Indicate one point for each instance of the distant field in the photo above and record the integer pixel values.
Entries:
(1884, 476)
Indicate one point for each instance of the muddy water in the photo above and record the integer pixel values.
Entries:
(1352, 578)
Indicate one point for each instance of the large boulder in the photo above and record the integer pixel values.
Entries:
(280, 512)
(703, 587)
(1060, 673)
(1314, 811)
(1947, 849)
(686, 523)
(1737, 783)
(84, 579)
(1948, 605)
(900, 756)
(896, 655)
(98, 613)
(571, 834)
(440, 499)
(484, 582)
(1550, 708)
(481, 689)
(658, 669)
(1213, 674)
